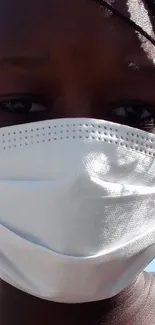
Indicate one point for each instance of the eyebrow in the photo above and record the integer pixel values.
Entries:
(24, 62)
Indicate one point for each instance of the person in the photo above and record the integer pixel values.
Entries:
(77, 216)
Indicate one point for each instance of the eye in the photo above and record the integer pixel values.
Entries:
(21, 106)
(135, 114)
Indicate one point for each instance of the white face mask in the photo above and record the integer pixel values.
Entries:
(77, 207)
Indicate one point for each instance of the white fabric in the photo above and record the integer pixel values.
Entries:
(77, 207)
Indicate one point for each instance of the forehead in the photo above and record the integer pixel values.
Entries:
(72, 36)
(27, 24)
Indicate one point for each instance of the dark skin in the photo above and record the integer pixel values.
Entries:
(77, 61)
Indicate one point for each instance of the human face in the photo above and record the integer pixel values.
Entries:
(73, 59)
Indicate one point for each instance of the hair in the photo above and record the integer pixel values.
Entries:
(151, 7)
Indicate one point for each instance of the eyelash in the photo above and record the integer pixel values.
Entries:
(134, 114)
(21, 106)
(138, 115)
